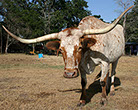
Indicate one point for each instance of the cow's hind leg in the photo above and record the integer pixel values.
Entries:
(103, 82)
(83, 84)
(113, 72)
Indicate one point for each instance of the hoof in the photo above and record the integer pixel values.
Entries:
(112, 93)
(103, 102)
(81, 103)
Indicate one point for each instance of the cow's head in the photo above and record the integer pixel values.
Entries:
(72, 42)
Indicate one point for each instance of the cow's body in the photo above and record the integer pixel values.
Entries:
(100, 49)
(108, 47)
(92, 43)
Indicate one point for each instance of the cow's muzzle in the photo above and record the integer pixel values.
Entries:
(71, 74)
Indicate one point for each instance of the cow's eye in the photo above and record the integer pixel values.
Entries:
(79, 49)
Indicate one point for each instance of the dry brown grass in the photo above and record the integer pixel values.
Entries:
(29, 83)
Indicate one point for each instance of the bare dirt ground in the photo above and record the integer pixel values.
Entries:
(29, 83)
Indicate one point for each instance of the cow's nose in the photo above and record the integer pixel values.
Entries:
(71, 74)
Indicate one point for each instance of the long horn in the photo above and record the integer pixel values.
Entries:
(35, 40)
(108, 28)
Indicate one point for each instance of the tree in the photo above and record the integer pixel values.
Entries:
(60, 14)
(33, 18)
(1, 21)
(74, 11)
(22, 19)
(124, 4)
(1, 40)
(131, 34)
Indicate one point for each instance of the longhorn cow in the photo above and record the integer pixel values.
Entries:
(92, 43)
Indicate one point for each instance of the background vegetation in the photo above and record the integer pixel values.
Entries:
(33, 18)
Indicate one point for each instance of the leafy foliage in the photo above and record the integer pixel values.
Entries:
(33, 18)
(21, 18)
(132, 24)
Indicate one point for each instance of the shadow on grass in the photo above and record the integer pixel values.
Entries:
(94, 88)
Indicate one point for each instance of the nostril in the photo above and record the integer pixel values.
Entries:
(73, 73)
(70, 74)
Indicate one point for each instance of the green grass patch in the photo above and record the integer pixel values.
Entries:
(10, 66)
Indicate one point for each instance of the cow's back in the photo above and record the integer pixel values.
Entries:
(109, 45)
(91, 22)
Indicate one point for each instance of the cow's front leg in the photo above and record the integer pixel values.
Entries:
(83, 94)
(103, 82)
(83, 84)
(113, 72)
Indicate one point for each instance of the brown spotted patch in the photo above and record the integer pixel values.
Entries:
(69, 33)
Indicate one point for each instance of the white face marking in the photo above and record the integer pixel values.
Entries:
(69, 43)
(70, 63)
(70, 39)
(69, 49)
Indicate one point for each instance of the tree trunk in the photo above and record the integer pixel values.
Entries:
(124, 23)
(1, 42)
(33, 48)
(7, 40)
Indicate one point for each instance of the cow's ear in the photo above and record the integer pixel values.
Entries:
(53, 45)
(88, 42)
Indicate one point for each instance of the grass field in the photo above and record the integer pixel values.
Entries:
(29, 83)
